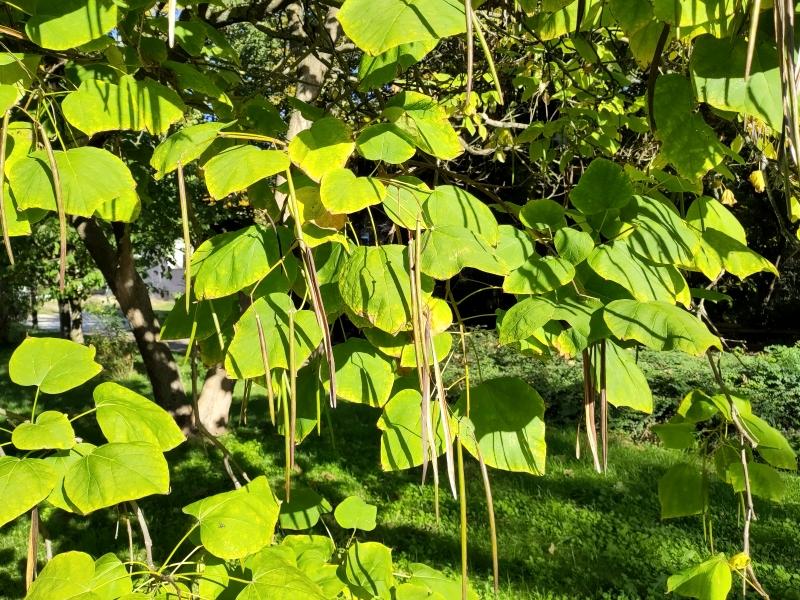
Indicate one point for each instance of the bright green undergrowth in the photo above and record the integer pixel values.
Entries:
(568, 535)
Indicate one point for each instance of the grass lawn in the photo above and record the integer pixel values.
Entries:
(570, 534)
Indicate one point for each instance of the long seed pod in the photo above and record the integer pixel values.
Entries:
(603, 406)
(444, 413)
(62, 217)
(488, 53)
(3, 222)
(462, 512)
(492, 524)
(187, 242)
(755, 14)
(287, 451)
(292, 390)
(172, 9)
(588, 406)
(33, 549)
(262, 344)
(470, 49)
(312, 282)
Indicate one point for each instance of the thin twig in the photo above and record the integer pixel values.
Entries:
(3, 221)
(147, 540)
(62, 217)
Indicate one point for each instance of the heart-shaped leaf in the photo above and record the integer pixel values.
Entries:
(24, 482)
(125, 416)
(237, 523)
(53, 364)
(52, 430)
(114, 473)
(342, 192)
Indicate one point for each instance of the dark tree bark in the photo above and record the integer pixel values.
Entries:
(76, 320)
(116, 263)
(64, 318)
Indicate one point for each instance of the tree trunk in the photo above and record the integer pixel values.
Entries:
(119, 270)
(214, 403)
(34, 309)
(76, 320)
(64, 318)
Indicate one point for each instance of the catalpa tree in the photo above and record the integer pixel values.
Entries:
(573, 158)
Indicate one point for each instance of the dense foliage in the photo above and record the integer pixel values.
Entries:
(597, 201)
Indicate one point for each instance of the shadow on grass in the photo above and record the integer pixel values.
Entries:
(569, 534)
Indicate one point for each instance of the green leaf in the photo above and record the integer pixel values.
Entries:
(125, 416)
(303, 510)
(686, 140)
(506, 422)
(237, 168)
(604, 186)
(514, 247)
(204, 319)
(184, 146)
(24, 483)
(660, 235)
(640, 26)
(724, 238)
(229, 262)
(275, 578)
(66, 24)
(368, 569)
(68, 576)
(717, 67)
(54, 365)
(363, 376)
(404, 201)
(626, 385)
(696, 16)
(772, 445)
(60, 462)
(130, 105)
(237, 523)
(342, 192)
(385, 142)
(573, 245)
(375, 285)
(646, 282)
(309, 399)
(524, 318)
(438, 583)
(325, 146)
(52, 430)
(376, 26)
(543, 215)
(123, 209)
(677, 436)
(682, 491)
(244, 359)
(111, 579)
(114, 473)
(659, 326)
(425, 121)
(401, 427)
(737, 259)
(539, 275)
(447, 249)
(452, 206)
(354, 513)
(765, 482)
(707, 213)
(89, 176)
(375, 71)
(710, 580)
(697, 407)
